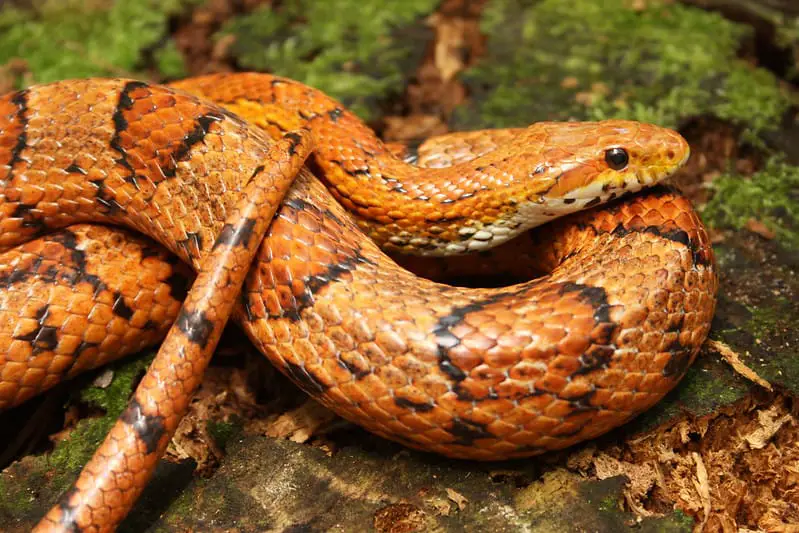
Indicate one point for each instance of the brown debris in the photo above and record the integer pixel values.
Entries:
(457, 498)
(642, 478)
(399, 518)
(734, 469)
(297, 425)
(436, 90)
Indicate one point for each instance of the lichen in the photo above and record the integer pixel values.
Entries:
(350, 49)
(770, 196)
(663, 63)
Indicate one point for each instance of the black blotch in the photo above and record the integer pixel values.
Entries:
(596, 297)
(75, 169)
(593, 202)
(358, 373)
(698, 256)
(29, 218)
(299, 204)
(191, 238)
(43, 338)
(681, 356)
(601, 350)
(120, 308)
(238, 235)
(468, 431)
(20, 99)
(408, 404)
(315, 283)
(124, 103)
(295, 140)
(178, 286)
(68, 520)
(104, 199)
(69, 241)
(195, 136)
(446, 340)
(258, 170)
(304, 379)
(149, 428)
(568, 201)
(196, 326)
(581, 403)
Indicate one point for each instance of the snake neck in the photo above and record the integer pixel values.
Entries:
(487, 196)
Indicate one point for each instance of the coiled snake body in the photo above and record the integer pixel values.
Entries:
(474, 373)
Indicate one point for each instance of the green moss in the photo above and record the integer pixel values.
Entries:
(222, 432)
(170, 62)
(769, 196)
(80, 38)
(608, 504)
(766, 319)
(73, 452)
(594, 60)
(347, 48)
(17, 498)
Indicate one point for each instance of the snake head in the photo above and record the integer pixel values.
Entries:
(552, 169)
(587, 163)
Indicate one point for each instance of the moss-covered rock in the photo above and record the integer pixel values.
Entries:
(662, 63)
(46, 476)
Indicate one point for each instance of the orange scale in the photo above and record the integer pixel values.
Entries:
(558, 409)
(416, 423)
(621, 401)
(501, 428)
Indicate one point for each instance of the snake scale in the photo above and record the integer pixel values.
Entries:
(482, 373)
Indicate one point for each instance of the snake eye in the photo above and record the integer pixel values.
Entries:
(617, 158)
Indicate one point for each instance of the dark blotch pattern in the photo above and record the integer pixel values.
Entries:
(196, 326)
(238, 235)
(304, 379)
(149, 428)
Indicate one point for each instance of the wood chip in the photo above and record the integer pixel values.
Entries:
(734, 360)
(300, 424)
(770, 424)
(702, 488)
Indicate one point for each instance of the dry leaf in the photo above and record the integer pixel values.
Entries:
(761, 229)
(457, 498)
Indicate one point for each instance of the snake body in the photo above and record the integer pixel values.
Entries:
(474, 373)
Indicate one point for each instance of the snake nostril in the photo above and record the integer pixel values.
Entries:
(670, 154)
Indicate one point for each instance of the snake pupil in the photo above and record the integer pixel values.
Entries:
(617, 158)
